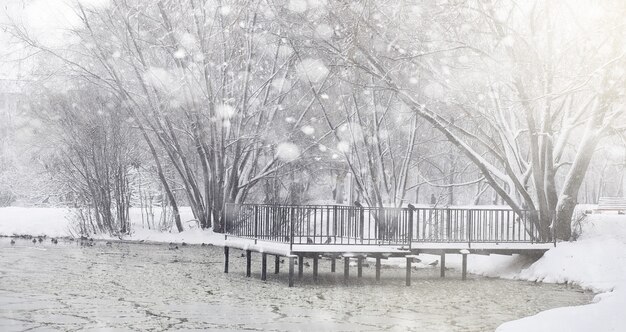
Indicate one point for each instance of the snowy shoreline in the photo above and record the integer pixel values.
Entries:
(596, 262)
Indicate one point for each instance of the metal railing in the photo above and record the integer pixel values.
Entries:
(356, 225)
(475, 225)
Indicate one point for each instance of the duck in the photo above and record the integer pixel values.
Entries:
(53, 240)
(309, 240)
(12, 242)
(34, 240)
(203, 244)
(40, 239)
(173, 248)
(434, 263)
(328, 239)
(184, 244)
(108, 243)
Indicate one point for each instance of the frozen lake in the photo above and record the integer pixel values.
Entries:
(149, 287)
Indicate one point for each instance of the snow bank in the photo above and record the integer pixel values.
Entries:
(34, 221)
(55, 222)
(597, 261)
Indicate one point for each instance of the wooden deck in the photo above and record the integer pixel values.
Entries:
(356, 233)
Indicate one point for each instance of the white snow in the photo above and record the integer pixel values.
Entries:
(161, 79)
(597, 261)
(324, 31)
(34, 221)
(224, 111)
(308, 130)
(312, 69)
(287, 151)
(297, 6)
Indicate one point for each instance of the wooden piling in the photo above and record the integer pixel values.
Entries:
(226, 249)
(409, 260)
(263, 266)
(464, 252)
(359, 266)
(377, 268)
(276, 264)
(292, 260)
(332, 264)
(346, 268)
(464, 267)
(442, 274)
(315, 261)
(248, 263)
(300, 266)
(408, 270)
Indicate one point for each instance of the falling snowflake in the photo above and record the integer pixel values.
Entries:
(323, 31)
(224, 111)
(297, 6)
(312, 69)
(343, 146)
(308, 130)
(287, 151)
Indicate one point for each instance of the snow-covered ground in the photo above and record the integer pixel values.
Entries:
(597, 261)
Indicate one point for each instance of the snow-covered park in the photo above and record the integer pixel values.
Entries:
(450, 165)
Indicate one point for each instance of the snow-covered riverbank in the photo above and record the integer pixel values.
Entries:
(597, 261)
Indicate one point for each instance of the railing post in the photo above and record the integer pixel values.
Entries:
(256, 222)
(226, 214)
(532, 227)
(448, 224)
(335, 222)
(554, 223)
(361, 219)
(410, 228)
(292, 232)
(361, 222)
(469, 228)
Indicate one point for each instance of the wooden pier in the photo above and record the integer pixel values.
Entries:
(355, 233)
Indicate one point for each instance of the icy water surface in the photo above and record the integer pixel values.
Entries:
(140, 287)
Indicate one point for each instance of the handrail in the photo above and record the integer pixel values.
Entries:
(402, 226)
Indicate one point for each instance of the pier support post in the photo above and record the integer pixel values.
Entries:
(346, 268)
(300, 266)
(443, 265)
(263, 266)
(409, 260)
(408, 270)
(464, 252)
(226, 249)
(248, 262)
(359, 270)
(332, 264)
(315, 261)
(292, 260)
(276, 264)
(377, 268)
